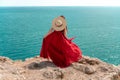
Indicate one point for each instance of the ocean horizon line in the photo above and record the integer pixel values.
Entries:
(59, 6)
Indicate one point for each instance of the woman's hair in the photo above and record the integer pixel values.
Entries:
(65, 30)
(62, 16)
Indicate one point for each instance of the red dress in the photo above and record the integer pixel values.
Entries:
(61, 50)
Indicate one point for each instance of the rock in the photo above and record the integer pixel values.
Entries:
(1, 67)
(116, 76)
(37, 65)
(79, 67)
(54, 74)
(3, 59)
(48, 74)
(33, 65)
(59, 73)
(84, 68)
(40, 69)
(89, 70)
(103, 68)
(90, 61)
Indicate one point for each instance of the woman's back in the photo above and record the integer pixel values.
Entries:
(60, 50)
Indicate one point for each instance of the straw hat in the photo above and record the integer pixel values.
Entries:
(59, 24)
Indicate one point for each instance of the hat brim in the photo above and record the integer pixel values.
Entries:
(61, 27)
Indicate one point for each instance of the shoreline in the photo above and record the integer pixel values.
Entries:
(85, 69)
(38, 56)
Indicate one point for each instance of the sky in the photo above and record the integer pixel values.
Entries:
(59, 2)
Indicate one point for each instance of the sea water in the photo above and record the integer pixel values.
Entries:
(97, 30)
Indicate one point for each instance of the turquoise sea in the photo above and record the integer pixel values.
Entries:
(97, 30)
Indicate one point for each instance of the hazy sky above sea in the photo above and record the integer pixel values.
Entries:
(59, 2)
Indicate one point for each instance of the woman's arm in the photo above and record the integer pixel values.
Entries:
(65, 32)
(49, 32)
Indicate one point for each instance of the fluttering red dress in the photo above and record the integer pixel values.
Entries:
(61, 50)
